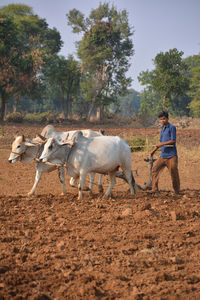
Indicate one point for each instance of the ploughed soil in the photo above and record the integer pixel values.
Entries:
(56, 247)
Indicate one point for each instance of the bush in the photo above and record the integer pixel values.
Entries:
(2, 132)
(45, 117)
(137, 144)
(16, 117)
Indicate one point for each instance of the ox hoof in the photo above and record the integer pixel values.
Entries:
(86, 188)
(89, 192)
(137, 188)
(107, 196)
(73, 186)
(30, 194)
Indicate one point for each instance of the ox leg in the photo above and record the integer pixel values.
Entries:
(37, 179)
(61, 175)
(81, 185)
(92, 175)
(112, 183)
(131, 181)
(73, 182)
(100, 187)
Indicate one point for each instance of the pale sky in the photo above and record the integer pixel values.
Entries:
(159, 25)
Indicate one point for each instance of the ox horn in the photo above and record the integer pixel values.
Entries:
(41, 137)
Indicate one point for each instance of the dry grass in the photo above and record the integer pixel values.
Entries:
(190, 154)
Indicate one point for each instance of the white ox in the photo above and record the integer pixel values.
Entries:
(25, 150)
(103, 154)
(60, 136)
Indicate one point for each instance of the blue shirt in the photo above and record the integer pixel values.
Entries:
(167, 134)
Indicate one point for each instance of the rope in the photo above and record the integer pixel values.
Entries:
(49, 163)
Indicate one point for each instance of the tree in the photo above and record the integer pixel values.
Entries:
(10, 59)
(169, 78)
(32, 43)
(194, 92)
(61, 77)
(128, 105)
(104, 50)
(31, 25)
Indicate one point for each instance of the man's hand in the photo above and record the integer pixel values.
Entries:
(160, 144)
(153, 151)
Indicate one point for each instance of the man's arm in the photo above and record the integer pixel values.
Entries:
(160, 144)
(170, 142)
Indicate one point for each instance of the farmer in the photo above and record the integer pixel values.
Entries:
(168, 157)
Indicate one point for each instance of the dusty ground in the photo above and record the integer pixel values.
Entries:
(55, 247)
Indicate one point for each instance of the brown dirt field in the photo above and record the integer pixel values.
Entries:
(56, 247)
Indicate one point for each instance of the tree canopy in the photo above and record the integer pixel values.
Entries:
(104, 51)
(169, 79)
(194, 92)
(34, 76)
(26, 41)
(61, 77)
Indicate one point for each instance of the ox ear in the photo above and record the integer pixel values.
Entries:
(29, 144)
(74, 139)
(76, 136)
(21, 138)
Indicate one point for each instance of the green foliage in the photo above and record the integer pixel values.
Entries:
(17, 10)
(139, 143)
(26, 43)
(195, 108)
(166, 85)
(61, 80)
(76, 21)
(136, 144)
(45, 117)
(104, 52)
(150, 106)
(169, 77)
(127, 105)
(130, 103)
(194, 92)
(31, 26)
(2, 132)
(15, 117)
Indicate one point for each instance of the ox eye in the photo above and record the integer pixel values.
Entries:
(18, 146)
(50, 147)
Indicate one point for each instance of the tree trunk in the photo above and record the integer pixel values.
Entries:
(6, 109)
(99, 114)
(164, 98)
(3, 105)
(16, 102)
(63, 105)
(69, 109)
(91, 108)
